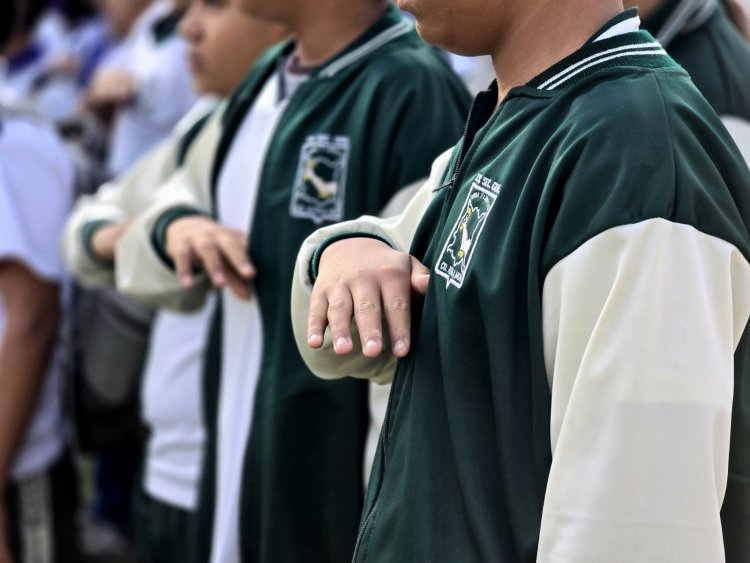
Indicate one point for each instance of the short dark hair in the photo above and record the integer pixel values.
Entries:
(8, 23)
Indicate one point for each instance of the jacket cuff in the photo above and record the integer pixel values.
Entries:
(315, 261)
(159, 234)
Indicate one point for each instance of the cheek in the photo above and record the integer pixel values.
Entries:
(254, 8)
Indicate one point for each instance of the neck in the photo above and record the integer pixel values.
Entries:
(331, 26)
(546, 33)
(645, 7)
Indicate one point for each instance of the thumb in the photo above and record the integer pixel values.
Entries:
(420, 276)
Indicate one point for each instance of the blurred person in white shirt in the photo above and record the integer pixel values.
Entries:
(37, 478)
(143, 85)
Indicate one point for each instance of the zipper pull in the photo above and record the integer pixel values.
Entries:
(448, 185)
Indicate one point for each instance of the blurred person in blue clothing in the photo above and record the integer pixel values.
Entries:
(142, 87)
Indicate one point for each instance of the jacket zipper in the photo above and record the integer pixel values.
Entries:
(450, 183)
(384, 431)
(387, 420)
(362, 532)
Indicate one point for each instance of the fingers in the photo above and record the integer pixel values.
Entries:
(182, 257)
(213, 264)
(238, 285)
(396, 294)
(317, 319)
(367, 282)
(420, 277)
(220, 251)
(340, 311)
(368, 316)
(233, 247)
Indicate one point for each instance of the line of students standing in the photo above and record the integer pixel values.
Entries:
(251, 457)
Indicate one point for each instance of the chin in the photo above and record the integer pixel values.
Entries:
(445, 38)
(201, 86)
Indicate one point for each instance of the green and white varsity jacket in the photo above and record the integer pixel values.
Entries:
(701, 38)
(577, 388)
(380, 111)
(131, 193)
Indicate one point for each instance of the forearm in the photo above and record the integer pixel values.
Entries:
(24, 356)
(144, 269)
(140, 269)
(77, 242)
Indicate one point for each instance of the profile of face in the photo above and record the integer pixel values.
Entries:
(122, 14)
(223, 43)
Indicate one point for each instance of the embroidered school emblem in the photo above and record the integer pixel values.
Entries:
(320, 182)
(459, 247)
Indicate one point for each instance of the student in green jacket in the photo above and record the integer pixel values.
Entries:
(572, 382)
(702, 38)
(343, 121)
(223, 43)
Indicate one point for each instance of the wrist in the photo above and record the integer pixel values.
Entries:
(323, 246)
(104, 241)
(160, 233)
(92, 243)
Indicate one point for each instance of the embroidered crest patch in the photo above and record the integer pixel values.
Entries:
(320, 182)
(462, 240)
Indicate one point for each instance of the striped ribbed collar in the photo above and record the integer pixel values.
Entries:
(389, 27)
(677, 17)
(637, 48)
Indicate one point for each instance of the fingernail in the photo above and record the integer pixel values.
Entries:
(246, 270)
(341, 341)
(400, 346)
(186, 280)
(371, 345)
(314, 338)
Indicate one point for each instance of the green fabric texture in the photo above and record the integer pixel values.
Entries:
(200, 541)
(715, 55)
(461, 470)
(162, 531)
(386, 114)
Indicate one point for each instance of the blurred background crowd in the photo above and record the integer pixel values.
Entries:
(115, 81)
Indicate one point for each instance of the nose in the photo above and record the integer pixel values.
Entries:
(190, 25)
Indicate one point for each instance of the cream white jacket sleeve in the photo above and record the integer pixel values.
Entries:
(125, 197)
(114, 202)
(140, 272)
(398, 231)
(640, 328)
